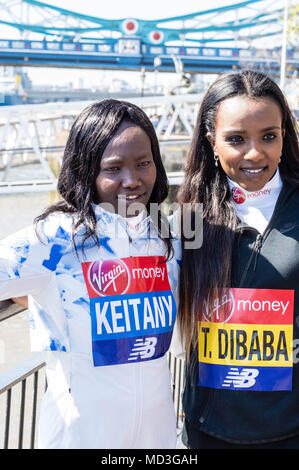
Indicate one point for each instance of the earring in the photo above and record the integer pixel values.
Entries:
(216, 159)
(280, 159)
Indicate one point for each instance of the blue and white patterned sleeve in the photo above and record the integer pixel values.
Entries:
(26, 262)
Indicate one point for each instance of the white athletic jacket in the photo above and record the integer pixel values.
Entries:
(104, 319)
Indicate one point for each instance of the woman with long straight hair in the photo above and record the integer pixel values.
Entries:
(239, 297)
(102, 281)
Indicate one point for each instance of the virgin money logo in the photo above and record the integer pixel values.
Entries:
(222, 309)
(238, 195)
(109, 277)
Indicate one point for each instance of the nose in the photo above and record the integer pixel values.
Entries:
(131, 179)
(254, 151)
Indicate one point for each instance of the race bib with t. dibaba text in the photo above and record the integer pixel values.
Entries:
(245, 342)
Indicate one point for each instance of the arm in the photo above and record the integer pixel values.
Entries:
(21, 265)
(22, 301)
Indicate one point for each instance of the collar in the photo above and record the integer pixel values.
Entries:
(243, 199)
(255, 208)
(112, 222)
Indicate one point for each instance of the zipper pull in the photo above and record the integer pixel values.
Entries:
(257, 247)
(130, 244)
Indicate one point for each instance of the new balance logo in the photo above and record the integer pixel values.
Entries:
(240, 379)
(143, 348)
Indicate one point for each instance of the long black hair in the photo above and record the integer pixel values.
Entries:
(90, 134)
(207, 270)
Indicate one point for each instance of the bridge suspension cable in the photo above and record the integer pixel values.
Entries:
(240, 22)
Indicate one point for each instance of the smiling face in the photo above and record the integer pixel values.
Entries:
(127, 169)
(248, 139)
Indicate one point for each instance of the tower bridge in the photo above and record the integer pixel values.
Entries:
(130, 53)
(229, 37)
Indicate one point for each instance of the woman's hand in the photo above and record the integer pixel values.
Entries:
(23, 301)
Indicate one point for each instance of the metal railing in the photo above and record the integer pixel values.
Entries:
(27, 380)
(22, 171)
(177, 369)
(21, 390)
(15, 429)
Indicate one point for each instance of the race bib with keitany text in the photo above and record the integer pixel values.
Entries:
(132, 309)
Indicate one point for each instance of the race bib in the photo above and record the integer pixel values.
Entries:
(245, 342)
(132, 309)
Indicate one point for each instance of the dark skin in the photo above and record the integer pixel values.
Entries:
(22, 301)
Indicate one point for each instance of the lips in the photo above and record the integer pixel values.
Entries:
(253, 172)
(132, 197)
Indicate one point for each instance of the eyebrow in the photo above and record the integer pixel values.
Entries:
(270, 128)
(117, 159)
(111, 160)
(240, 131)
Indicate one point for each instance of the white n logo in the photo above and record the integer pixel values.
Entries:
(243, 379)
(143, 348)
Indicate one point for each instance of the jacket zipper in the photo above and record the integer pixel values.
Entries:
(137, 378)
(260, 238)
(257, 249)
(254, 255)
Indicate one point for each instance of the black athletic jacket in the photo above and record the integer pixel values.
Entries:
(268, 261)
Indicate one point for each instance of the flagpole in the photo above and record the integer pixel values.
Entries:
(284, 46)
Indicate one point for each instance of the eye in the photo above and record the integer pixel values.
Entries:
(235, 139)
(144, 163)
(269, 137)
(112, 169)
